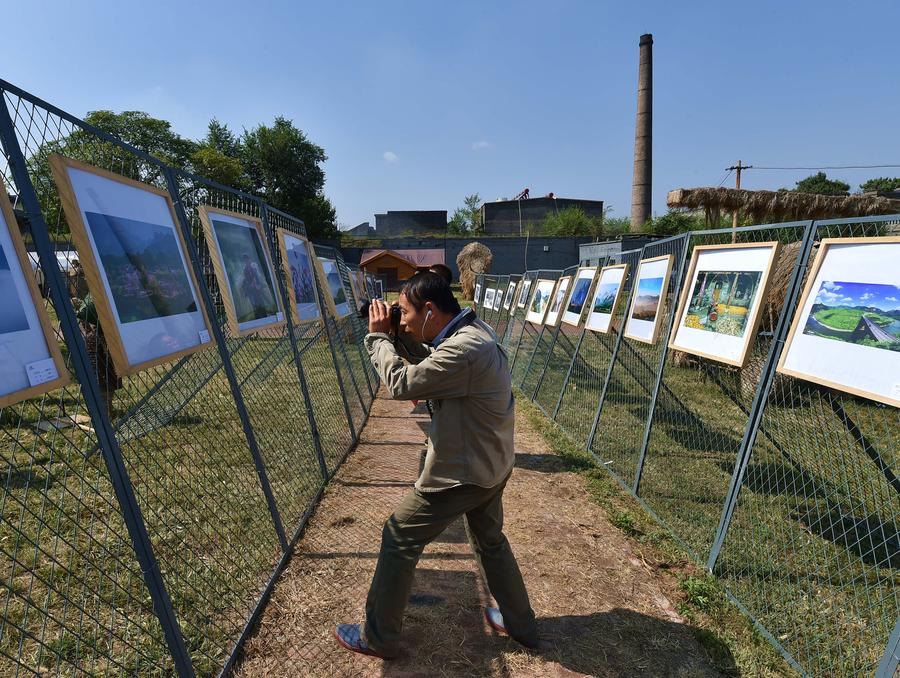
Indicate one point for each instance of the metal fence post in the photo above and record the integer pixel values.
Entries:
(226, 359)
(887, 667)
(106, 439)
(612, 359)
(334, 361)
(301, 374)
(762, 393)
(654, 395)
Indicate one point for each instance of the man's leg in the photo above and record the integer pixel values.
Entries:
(484, 525)
(417, 521)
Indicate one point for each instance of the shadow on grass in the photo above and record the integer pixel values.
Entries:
(618, 642)
(868, 537)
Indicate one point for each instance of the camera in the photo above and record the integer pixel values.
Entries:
(394, 314)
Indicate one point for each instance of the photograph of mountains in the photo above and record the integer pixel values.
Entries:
(144, 268)
(867, 314)
(646, 302)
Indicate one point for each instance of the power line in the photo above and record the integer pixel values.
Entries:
(725, 178)
(827, 167)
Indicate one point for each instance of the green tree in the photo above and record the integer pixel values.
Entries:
(881, 184)
(673, 222)
(819, 183)
(466, 220)
(571, 221)
(285, 168)
(218, 156)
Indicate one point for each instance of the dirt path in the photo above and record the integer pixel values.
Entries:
(601, 610)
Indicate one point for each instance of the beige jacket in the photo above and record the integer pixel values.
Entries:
(467, 379)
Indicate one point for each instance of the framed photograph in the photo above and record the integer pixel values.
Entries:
(361, 285)
(136, 265)
(379, 289)
(489, 298)
(477, 298)
(648, 294)
(498, 297)
(510, 293)
(241, 262)
(846, 332)
(559, 298)
(580, 290)
(297, 262)
(725, 291)
(606, 298)
(540, 301)
(30, 360)
(523, 294)
(336, 297)
(371, 289)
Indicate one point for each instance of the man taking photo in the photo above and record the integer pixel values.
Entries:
(456, 362)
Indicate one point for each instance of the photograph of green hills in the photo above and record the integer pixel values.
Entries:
(867, 314)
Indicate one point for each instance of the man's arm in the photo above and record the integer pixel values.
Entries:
(443, 374)
(413, 349)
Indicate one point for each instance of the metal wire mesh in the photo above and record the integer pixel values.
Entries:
(558, 359)
(813, 548)
(214, 457)
(702, 410)
(578, 401)
(627, 403)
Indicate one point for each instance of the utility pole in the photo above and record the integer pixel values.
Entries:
(737, 184)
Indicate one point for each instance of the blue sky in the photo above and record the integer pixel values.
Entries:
(419, 103)
(839, 293)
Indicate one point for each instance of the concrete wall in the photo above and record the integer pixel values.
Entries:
(503, 216)
(400, 222)
(509, 253)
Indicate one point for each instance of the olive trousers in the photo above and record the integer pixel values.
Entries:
(418, 520)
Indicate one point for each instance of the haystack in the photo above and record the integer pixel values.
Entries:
(474, 258)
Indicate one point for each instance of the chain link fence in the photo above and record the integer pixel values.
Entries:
(785, 490)
(146, 518)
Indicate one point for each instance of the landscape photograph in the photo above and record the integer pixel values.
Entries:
(560, 295)
(302, 281)
(721, 300)
(646, 301)
(579, 295)
(605, 297)
(334, 281)
(541, 296)
(143, 266)
(248, 271)
(12, 314)
(867, 314)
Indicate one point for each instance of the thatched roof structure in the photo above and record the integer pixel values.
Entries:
(770, 206)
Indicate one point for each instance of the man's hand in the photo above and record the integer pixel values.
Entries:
(379, 317)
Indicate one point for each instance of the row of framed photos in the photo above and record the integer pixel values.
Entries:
(138, 272)
(845, 333)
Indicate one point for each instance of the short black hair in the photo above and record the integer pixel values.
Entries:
(442, 270)
(428, 286)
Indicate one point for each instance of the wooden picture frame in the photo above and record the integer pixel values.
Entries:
(281, 235)
(95, 276)
(616, 300)
(326, 288)
(562, 281)
(223, 278)
(18, 256)
(537, 317)
(754, 314)
(575, 279)
(510, 295)
(635, 290)
(851, 351)
(525, 291)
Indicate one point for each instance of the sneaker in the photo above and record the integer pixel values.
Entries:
(495, 620)
(349, 637)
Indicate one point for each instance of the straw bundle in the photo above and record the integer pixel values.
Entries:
(474, 258)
